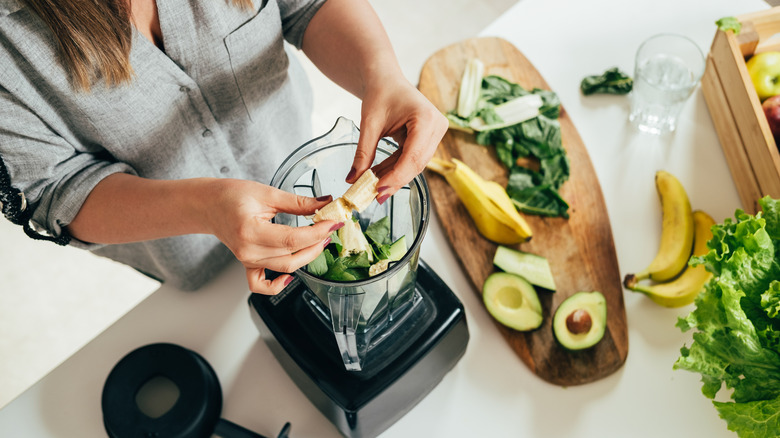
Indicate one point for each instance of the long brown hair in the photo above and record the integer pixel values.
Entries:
(94, 37)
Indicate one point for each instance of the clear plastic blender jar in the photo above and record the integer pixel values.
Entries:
(360, 313)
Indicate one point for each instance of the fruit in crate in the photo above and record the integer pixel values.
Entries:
(764, 69)
(771, 108)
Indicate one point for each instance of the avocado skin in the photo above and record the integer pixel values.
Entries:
(596, 306)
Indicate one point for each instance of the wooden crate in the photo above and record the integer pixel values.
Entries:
(736, 111)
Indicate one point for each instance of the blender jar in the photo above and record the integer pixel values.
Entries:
(360, 313)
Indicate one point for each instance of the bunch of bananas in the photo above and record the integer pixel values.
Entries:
(683, 232)
(489, 206)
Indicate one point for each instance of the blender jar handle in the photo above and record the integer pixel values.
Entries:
(345, 316)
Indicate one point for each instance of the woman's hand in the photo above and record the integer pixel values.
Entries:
(393, 107)
(347, 42)
(241, 219)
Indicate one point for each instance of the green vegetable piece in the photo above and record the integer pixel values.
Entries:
(359, 260)
(397, 249)
(729, 23)
(335, 240)
(756, 419)
(379, 231)
(736, 339)
(318, 266)
(535, 269)
(613, 81)
(536, 138)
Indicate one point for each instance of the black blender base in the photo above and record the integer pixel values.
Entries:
(363, 404)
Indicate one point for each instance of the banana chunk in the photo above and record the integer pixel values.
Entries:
(363, 192)
(358, 197)
(336, 210)
(353, 241)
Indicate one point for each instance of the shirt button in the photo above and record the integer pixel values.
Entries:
(224, 169)
(206, 133)
(184, 89)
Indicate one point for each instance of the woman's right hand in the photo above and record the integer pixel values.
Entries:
(241, 219)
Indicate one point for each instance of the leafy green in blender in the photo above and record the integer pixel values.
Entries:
(339, 263)
(737, 322)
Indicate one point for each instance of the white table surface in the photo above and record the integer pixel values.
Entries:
(490, 392)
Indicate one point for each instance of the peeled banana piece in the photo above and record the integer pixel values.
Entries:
(353, 241)
(684, 289)
(358, 197)
(486, 201)
(676, 231)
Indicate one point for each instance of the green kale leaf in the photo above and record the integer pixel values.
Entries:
(612, 81)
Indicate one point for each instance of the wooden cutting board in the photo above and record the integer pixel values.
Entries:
(580, 250)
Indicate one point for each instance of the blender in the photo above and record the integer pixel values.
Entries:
(365, 351)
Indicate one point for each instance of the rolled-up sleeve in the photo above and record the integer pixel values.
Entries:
(54, 175)
(296, 15)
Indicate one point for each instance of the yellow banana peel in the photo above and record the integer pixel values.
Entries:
(684, 289)
(486, 201)
(676, 230)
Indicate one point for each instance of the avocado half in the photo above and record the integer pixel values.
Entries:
(581, 320)
(512, 301)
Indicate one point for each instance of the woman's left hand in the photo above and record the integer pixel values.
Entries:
(392, 107)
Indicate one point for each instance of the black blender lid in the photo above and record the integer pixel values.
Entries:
(313, 347)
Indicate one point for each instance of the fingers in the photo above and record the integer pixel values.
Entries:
(257, 282)
(295, 204)
(366, 148)
(422, 139)
(275, 240)
(287, 263)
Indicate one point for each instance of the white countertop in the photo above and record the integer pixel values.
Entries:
(490, 392)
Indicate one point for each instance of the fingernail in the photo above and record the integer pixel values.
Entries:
(351, 174)
(382, 189)
(288, 280)
(326, 242)
(382, 199)
(336, 227)
(324, 198)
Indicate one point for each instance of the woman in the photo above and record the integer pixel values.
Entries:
(147, 131)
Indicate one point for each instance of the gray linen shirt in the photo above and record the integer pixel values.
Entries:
(225, 99)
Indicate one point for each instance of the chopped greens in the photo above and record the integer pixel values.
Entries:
(736, 342)
(612, 81)
(357, 265)
(518, 138)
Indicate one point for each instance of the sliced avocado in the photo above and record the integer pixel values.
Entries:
(580, 320)
(532, 267)
(512, 301)
(397, 249)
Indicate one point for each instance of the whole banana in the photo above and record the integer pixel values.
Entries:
(676, 231)
(486, 201)
(684, 289)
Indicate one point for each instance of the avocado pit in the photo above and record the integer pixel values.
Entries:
(579, 322)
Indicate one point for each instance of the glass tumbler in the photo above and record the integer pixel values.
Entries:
(360, 313)
(667, 69)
